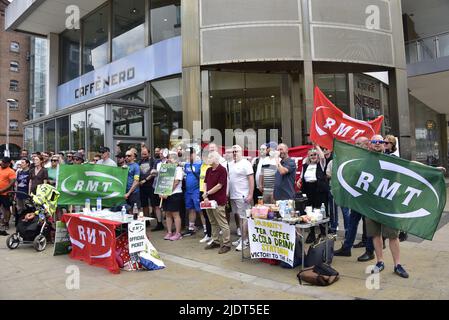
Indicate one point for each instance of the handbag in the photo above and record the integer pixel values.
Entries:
(319, 275)
(317, 253)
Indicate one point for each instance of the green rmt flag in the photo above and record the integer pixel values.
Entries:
(76, 183)
(395, 192)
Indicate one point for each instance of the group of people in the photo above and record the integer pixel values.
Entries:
(227, 186)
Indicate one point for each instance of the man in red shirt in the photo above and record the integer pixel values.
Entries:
(7, 181)
(215, 184)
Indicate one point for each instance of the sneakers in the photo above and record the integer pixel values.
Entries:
(378, 267)
(189, 232)
(205, 239)
(400, 271)
(224, 249)
(212, 245)
(210, 242)
(242, 245)
(176, 236)
(236, 243)
(168, 236)
(239, 232)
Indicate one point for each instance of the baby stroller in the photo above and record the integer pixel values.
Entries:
(37, 229)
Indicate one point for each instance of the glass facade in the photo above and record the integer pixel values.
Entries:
(63, 125)
(78, 130)
(245, 101)
(28, 139)
(38, 77)
(95, 40)
(95, 130)
(335, 87)
(38, 137)
(165, 17)
(70, 55)
(128, 27)
(367, 97)
(166, 103)
(128, 121)
(49, 136)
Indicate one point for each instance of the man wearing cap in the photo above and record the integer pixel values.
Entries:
(7, 181)
(105, 157)
(120, 160)
(78, 158)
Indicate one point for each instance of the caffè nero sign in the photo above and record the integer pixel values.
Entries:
(156, 61)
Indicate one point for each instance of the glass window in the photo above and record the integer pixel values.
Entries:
(13, 85)
(78, 133)
(95, 131)
(38, 137)
(63, 134)
(14, 66)
(95, 40)
(366, 97)
(28, 139)
(128, 27)
(128, 121)
(335, 87)
(14, 46)
(49, 136)
(70, 55)
(13, 125)
(166, 97)
(165, 19)
(137, 96)
(245, 101)
(13, 104)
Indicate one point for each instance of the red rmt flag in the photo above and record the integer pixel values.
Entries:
(329, 122)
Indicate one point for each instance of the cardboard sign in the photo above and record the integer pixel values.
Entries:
(62, 240)
(136, 236)
(272, 240)
(165, 179)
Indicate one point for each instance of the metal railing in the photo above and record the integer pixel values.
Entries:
(428, 48)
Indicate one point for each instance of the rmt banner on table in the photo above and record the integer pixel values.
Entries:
(76, 183)
(395, 192)
(272, 240)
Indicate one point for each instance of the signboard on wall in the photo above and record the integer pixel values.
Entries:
(156, 61)
(366, 97)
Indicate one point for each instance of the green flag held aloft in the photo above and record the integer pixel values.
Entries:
(392, 191)
(76, 183)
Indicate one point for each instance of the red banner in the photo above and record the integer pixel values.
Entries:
(329, 122)
(93, 240)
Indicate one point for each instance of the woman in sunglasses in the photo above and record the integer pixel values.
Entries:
(390, 144)
(52, 171)
(315, 183)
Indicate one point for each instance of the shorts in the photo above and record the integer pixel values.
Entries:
(145, 197)
(173, 203)
(239, 206)
(192, 201)
(134, 198)
(376, 229)
(155, 200)
(5, 202)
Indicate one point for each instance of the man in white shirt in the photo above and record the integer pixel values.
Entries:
(105, 157)
(241, 180)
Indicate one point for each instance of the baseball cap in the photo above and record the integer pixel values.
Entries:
(272, 145)
(78, 155)
(104, 149)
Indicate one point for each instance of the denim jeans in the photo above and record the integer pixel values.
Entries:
(354, 220)
(333, 211)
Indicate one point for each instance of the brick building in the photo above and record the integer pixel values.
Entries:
(14, 85)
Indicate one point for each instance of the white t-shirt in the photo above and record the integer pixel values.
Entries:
(179, 175)
(310, 174)
(107, 162)
(238, 179)
(259, 169)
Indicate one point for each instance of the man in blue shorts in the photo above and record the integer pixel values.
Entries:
(192, 170)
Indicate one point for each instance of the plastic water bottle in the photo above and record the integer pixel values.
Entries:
(87, 206)
(323, 210)
(99, 208)
(135, 212)
(123, 213)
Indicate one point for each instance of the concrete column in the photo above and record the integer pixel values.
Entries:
(351, 99)
(53, 73)
(191, 71)
(286, 111)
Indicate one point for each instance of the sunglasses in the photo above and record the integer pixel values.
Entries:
(128, 155)
(377, 142)
(388, 142)
(54, 160)
(313, 155)
(77, 159)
